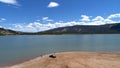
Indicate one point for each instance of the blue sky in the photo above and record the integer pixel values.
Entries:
(39, 15)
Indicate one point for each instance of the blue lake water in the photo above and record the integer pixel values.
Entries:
(16, 48)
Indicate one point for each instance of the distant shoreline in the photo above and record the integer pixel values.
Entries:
(63, 34)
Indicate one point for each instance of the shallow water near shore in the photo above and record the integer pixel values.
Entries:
(17, 48)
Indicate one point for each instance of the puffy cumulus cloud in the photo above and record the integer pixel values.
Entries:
(53, 4)
(47, 19)
(85, 18)
(114, 16)
(98, 18)
(109, 21)
(2, 19)
(13, 2)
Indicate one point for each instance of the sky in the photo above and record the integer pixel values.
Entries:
(40, 15)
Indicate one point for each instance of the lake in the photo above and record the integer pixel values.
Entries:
(17, 48)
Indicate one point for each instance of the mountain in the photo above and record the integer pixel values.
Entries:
(8, 32)
(85, 29)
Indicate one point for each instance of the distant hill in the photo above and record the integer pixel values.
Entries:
(8, 32)
(12, 32)
(85, 29)
(77, 29)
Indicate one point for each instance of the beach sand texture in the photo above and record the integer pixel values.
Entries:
(74, 60)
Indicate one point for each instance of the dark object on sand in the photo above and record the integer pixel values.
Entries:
(52, 56)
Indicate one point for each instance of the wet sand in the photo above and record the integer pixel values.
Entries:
(73, 60)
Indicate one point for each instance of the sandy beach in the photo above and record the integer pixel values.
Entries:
(73, 60)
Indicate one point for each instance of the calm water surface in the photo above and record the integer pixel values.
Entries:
(16, 48)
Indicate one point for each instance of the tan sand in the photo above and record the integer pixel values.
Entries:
(74, 60)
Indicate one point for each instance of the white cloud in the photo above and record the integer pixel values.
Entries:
(109, 21)
(98, 18)
(13, 2)
(47, 19)
(111, 18)
(85, 18)
(2, 19)
(53, 4)
(114, 16)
